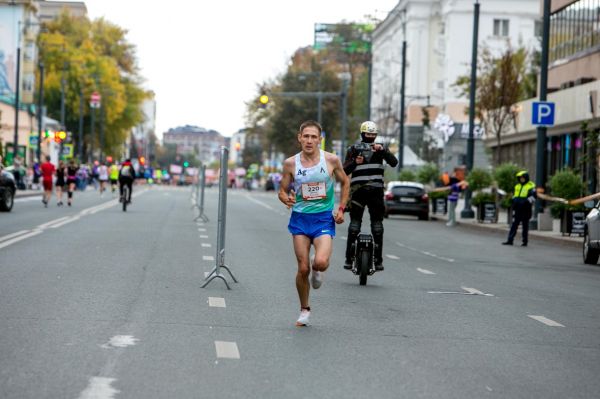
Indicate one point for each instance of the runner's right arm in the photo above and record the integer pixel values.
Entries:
(287, 196)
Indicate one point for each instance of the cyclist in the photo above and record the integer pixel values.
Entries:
(364, 161)
(114, 177)
(126, 176)
(307, 186)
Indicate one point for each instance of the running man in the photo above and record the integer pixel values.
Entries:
(48, 171)
(114, 177)
(307, 186)
(72, 170)
(103, 177)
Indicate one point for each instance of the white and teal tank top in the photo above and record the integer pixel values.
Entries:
(313, 187)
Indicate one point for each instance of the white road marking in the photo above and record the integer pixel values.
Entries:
(473, 291)
(227, 350)
(99, 388)
(425, 253)
(206, 274)
(29, 198)
(20, 238)
(201, 229)
(394, 257)
(208, 257)
(425, 271)
(9, 236)
(267, 206)
(206, 245)
(203, 236)
(546, 321)
(470, 291)
(70, 220)
(48, 224)
(216, 302)
(120, 341)
(344, 238)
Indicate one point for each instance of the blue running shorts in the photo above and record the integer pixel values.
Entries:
(312, 225)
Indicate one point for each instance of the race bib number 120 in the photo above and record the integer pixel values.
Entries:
(314, 191)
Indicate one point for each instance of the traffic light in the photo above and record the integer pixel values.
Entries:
(264, 100)
(186, 164)
(49, 134)
(142, 160)
(238, 145)
(60, 136)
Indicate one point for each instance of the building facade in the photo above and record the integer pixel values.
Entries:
(204, 145)
(574, 87)
(439, 36)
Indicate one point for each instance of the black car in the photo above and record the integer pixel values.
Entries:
(406, 198)
(8, 188)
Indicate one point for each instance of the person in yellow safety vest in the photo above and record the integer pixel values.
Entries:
(522, 200)
(114, 177)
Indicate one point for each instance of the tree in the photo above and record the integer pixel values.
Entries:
(502, 81)
(92, 56)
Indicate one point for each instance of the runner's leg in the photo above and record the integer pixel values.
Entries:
(323, 247)
(302, 251)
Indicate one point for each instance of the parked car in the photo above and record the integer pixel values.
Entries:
(406, 198)
(8, 187)
(591, 236)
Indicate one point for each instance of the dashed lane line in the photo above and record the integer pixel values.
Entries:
(206, 245)
(425, 271)
(208, 257)
(393, 257)
(546, 321)
(216, 302)
(99, 388)
(427, 253)
(203, 236)
(70, 220)
(227, 350)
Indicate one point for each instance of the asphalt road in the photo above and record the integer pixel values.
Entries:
(98, 303)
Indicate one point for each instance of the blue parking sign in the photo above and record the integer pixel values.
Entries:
(542, 113)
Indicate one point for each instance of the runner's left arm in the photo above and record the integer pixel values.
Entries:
(342, 177)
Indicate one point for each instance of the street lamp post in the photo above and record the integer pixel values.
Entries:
(40, 112)
(17, 94)
(402, 105)
(467, 212)
(540, 162)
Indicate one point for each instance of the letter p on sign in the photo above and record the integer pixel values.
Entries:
(542, 114)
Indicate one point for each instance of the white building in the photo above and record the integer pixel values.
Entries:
(143, 131)
(439, 39)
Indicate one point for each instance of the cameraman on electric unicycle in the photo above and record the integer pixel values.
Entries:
(364, 161)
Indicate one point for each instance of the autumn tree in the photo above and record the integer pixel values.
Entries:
(502, 81)
(92, 56)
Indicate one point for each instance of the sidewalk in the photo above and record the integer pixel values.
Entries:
(502, 227)
(28, 193)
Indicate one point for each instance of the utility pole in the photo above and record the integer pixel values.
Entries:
(17, 94)
(345, 83)
(402, 111)
(80, 135)
(540, 161)
(467, 212)
(40, 112)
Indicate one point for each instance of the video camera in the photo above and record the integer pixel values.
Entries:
(364, 150)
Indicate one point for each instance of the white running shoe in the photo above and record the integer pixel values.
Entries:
(303, 319)
(316, 277)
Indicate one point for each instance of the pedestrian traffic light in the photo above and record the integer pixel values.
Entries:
(186, 164)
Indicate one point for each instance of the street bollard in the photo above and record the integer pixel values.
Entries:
(200, 195)
(220, 260)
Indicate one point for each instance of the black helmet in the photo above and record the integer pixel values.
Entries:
(524, 174)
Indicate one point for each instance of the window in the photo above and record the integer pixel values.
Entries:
(500, 27)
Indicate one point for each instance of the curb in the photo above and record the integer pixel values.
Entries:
(501, 230)
(21, 194)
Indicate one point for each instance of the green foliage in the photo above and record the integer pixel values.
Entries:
(428, 173)
(438, 194)
(407, 175)
(479, 179)
(502, 81)
(92, 56)
(568, 185)
(482, 197)
(505, 176)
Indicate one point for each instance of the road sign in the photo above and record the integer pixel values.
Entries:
(67, 150)
(95, 100)
(33, 140)
(542, 113)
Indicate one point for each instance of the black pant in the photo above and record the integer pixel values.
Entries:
(520, 217)
(372, 198)
(129, 183)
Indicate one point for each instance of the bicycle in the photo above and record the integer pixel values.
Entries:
(125, 197)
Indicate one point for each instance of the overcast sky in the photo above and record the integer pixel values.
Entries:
(204, 59)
